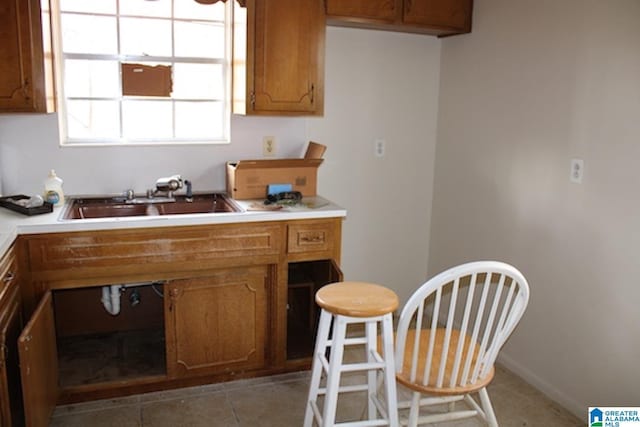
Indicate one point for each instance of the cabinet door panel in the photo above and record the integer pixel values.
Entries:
(22, 66)
(288, 60)
(216, 323)
(39, 365)
(438, 13)
(379, 10)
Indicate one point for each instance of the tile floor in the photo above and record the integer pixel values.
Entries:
(279, 401)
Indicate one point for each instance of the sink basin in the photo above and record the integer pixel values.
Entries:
(110, 207)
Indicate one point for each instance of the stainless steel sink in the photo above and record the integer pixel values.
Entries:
(116, 207)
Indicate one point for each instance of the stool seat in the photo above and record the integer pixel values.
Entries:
(357, 299)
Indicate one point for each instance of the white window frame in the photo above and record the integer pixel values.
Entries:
(59, 58)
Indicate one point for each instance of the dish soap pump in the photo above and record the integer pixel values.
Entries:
(53, 189)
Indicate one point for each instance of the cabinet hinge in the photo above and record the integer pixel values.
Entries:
(4, 355)
(252, 99)
(313, 87)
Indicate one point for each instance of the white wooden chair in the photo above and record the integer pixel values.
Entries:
(449, 335)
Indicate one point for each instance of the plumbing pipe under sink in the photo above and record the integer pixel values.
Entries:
(111, 299)
(111, 296)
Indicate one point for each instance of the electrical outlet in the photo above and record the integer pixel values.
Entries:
(577, 171)
(379, 147)
(269, 146)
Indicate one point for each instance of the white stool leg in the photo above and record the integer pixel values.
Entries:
(333, 376)
(316, 374)
(371, 334)
(389, 371)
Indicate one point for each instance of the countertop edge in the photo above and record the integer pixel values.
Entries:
(13, 224)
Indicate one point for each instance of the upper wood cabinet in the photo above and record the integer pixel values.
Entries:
(384, 11)
(23, 72)
(278, 57)
(437, 17)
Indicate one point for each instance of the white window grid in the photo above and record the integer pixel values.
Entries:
(143, 59)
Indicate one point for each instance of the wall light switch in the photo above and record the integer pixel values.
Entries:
(577, 171)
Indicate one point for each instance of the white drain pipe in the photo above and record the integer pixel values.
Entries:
(111, 299)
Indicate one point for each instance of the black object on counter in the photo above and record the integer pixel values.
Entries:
(8, 202)
(294, 196)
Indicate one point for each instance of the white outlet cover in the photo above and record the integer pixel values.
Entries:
(577, 171)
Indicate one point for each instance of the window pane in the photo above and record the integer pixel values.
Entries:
(147, 119)
(193, 10)
(93, 6)
(91, 79)
(145, 36)
(93, 119)
(157, 8)
(199, 120)
(199, 39)
(197, 81)
(89, 34)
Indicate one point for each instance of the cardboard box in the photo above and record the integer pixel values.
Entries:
(248, 179)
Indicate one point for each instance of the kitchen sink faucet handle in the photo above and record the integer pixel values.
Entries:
(189, 193)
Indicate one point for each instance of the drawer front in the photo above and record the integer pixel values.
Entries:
(8, 271)
(123, 251)
(311, 236)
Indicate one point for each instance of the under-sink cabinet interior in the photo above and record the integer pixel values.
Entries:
(125, 311)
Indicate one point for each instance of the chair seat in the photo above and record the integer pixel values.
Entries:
(404, 377)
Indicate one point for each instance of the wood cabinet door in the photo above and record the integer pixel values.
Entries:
(217, 323)
(438, 13)
(22, 60)
(286, 56)
(10, 387)
(39, 365)
(378, 10)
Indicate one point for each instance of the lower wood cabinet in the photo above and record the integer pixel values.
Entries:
(216, 323)
(214, 307)
(10, 328)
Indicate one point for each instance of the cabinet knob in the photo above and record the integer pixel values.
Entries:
(9, 277)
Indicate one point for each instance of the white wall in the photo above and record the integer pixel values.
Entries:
(381, 85)
(377, 85)
(535, 84)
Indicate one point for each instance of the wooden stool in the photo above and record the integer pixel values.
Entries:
(342, 304)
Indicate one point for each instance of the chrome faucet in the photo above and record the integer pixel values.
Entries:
(168, 185)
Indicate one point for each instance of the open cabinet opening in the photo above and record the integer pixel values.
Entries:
(109, 334)
(303, 314)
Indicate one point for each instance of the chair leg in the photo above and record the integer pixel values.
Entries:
(321, 347)
(487, 407)
(415, 409)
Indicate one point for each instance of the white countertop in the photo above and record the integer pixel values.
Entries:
(13, 224)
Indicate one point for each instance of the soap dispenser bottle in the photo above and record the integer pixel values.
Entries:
(53, 189)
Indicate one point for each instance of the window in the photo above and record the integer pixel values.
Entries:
(142, 71)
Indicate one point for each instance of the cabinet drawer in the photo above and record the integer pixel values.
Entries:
(8, 271)
(116, 253)
(311, 236)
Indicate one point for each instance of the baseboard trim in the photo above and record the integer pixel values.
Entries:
(577, 408)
